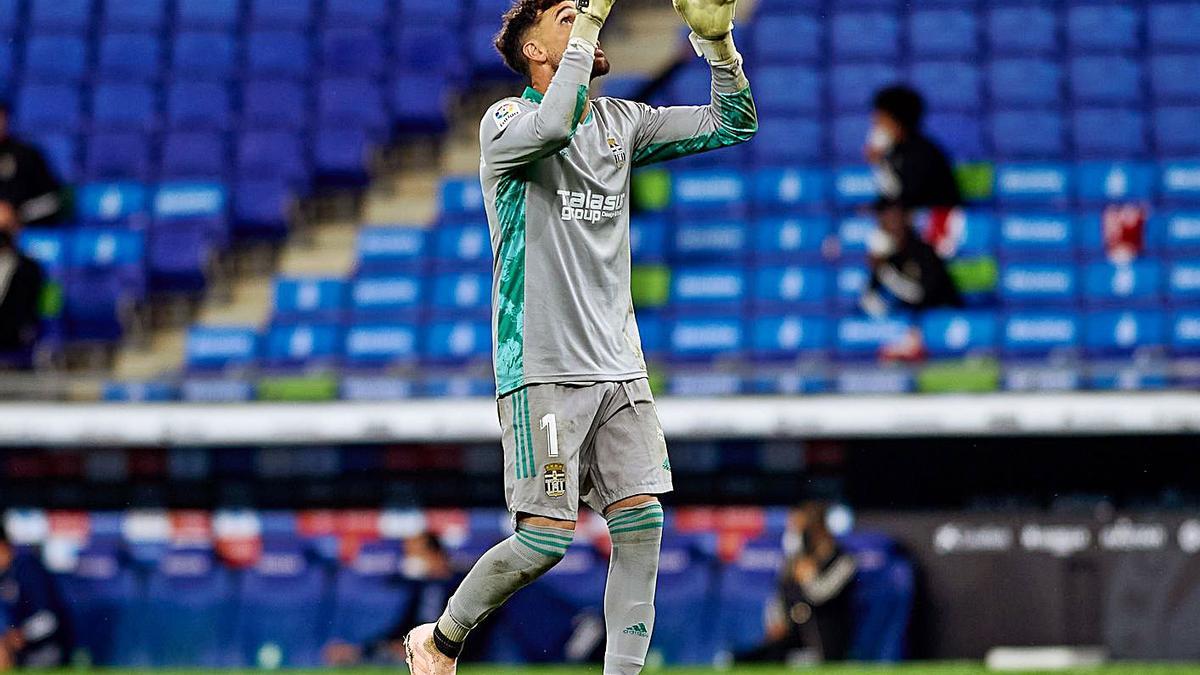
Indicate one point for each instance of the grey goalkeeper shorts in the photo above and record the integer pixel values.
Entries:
(597, 443)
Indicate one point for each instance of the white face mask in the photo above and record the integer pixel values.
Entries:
(414, 567)
(880, 139)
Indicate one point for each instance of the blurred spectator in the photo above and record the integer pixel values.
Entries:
(912, 170)
(427, 567)
(34, 632)
(26, 179)
(21, 284)
(905, 270)
(812, 618)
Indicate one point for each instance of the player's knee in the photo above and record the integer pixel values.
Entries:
(640, 522)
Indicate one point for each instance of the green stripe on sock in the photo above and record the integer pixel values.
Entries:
(634, 515)
(629, 523)
(656, 525)
(539, 549)
(547, 538)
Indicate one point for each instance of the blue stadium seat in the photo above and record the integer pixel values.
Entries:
(368, 594)
(952, 334)
(948, 85)
(1045, 236)
(133, 57)
(381, 296)
(1106, 80)
(853, 232)
(275, 14)
(787, 38)
(190, 611)
(194, 154)
(790, 238)
(194, 204)
(713, 192)
(852, 87)
(356, 13)
(352, 52)
(275, 104)
(458, 342)
(52, 58)
(391, 249)
(1137, 283)
(60, 15)
(341, 155)
(686, 579)
(1109, 132)
(1040, 333)
(849, 136)
(1180, 182)
(103, 596)
(1176, 132)
(429, 48)
(648, 239)
(1022, 30)
(1109, 27)
(204, 55)
(462, 246)
(272, 154)
(959, 134)
(1044, 283)
(789, 140)
(1027, 134)
(135, 15)
(461, 196)
(865, 35)
(1171, 78)
(1025, 82)
(747, 585)
(310, 299)
(1106, 182)
(192, 14)
(381, 344)
(789, 336)
(792, 286)
(461, 294)
(221, 347)
(10, 15)
(484, 61)
(8, 65)
(178, 258)
(1181, 232)
(49, 248)
(854, 186)
(947, 31)
(62, 152)
(426, 113)
(278, 53)
(121, 105)
(711, 241)
(775, 189)
(1173, 25)
(862, 338)
(710, 289)
(1121, 333)
(303, 345)
(652, 330)
(261, 208)
(1034, 183)
(705, 339)
(1185, 332)
(198, 106)
(117, 156)
(122, 203)
(787, 90)
(351, 102)
(284, 600)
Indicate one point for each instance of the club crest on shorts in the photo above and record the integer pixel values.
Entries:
(618, 151)
(556, 480)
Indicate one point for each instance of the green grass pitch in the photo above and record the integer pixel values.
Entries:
(906, 669)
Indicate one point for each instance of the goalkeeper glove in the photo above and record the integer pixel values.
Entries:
(711, 22)
(589, 19)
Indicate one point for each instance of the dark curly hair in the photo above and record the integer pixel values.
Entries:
(903, 103)
(517, 22)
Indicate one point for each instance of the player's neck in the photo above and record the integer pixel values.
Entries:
(541, 85)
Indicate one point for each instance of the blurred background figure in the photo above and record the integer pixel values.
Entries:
(26, 179)
(425, 566)
(33, 632)
(911, 168)
(812, 618)
(905, 269)
(21, 282)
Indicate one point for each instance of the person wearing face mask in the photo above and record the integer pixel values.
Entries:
(26, 179)
(912, 170)
(21, 284)
(34, 632)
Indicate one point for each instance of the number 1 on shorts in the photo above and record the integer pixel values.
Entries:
(551, 424)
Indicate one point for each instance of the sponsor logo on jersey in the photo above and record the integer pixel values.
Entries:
(638, 630)
(618, 151)
(590, 207)
(505, 114)
(556, 480)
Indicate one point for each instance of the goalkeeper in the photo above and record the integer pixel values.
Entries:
(577, 416)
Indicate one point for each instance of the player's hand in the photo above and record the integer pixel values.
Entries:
(708, 19)
(589, 19)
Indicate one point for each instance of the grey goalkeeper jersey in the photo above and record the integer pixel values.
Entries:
(556, 187)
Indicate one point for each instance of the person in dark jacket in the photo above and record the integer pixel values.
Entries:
(911, 169)
(35, 632)
(905, 268)
(26, 179)
(21, 284)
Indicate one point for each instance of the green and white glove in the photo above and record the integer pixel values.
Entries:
(590, 19)
(711, 22)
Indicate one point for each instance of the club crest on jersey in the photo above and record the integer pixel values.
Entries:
(505, 114)
(556, 480)
(618, 151)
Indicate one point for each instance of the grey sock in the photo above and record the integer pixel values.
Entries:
(507, 568)
(629, 596)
